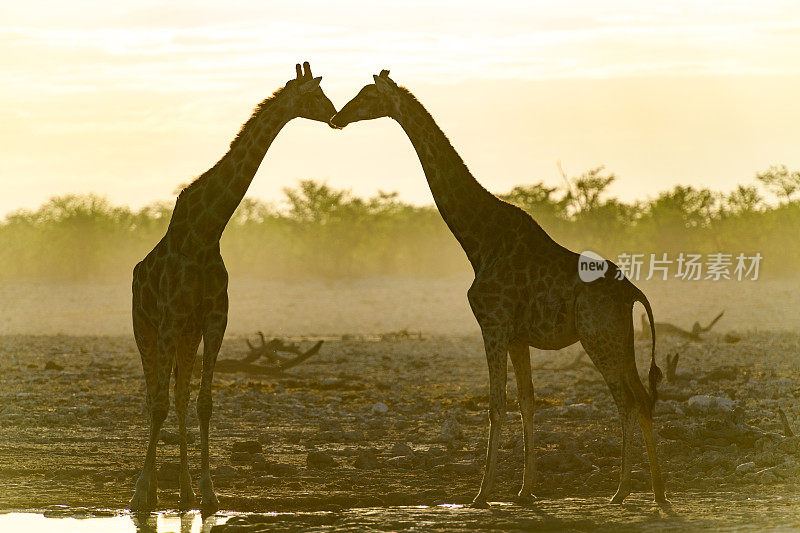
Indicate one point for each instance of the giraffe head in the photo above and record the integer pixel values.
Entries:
(308, 99)
(375, 100)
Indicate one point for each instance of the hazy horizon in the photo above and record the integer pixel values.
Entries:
(131, 101)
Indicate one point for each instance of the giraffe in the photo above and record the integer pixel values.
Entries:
(526, 292)
(180, 289)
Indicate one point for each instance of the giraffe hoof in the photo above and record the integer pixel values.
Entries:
(208, 498)
(209, 503)
(145, 499)
(209, 507)
(188, 502)
(525, 498)
(140, 503)
(479, 503)
(619, 497)
(666, 507)
(137, 506)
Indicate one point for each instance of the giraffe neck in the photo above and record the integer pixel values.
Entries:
(463, 203)
(204, 208)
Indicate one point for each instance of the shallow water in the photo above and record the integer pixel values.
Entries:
(706, 512)
(65, 520)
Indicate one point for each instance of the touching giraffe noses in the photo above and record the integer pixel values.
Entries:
(333, 123)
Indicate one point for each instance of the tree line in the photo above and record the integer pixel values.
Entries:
(323, 232)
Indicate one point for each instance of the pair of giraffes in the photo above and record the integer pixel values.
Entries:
(526, 292)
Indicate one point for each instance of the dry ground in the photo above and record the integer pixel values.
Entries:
(317, 440)
(436, 306)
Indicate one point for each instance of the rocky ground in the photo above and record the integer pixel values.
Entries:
(371, 423)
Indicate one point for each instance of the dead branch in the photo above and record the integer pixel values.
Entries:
(257, 352)
(286, 364)
(697, 329)
(270, 350)
(278, 364)
(665, 328)
(672, 366)
(572, 195)
(787, 429)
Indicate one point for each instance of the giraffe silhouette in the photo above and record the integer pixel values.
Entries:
(527, 292)
(180, 290)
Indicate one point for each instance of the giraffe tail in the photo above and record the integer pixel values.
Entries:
(655, 375)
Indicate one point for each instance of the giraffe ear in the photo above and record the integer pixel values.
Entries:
(382, 83)
(310, 85)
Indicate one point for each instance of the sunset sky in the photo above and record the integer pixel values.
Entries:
(132, 99)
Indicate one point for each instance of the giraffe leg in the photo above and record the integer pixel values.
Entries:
(646, 423)
(643, 409)
(187, 352)
(521, 360)
(146, 339)
(606, 333)
(212, 340)
(626, 418)
(609, 363)
(496, 347)
(638, 406)
(146, 496)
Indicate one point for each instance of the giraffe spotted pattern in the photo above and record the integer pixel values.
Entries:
(180, 289)
(526, 292)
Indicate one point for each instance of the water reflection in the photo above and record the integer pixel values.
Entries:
(191, 522)
(107, 522)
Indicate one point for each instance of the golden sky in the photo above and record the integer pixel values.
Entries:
(131, 99)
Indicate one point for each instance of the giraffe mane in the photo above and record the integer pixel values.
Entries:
(414, 101)
(248, 123)
(511, 209)
(256, 112)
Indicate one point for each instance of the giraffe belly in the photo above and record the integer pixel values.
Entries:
(548, 323)
(180, 286)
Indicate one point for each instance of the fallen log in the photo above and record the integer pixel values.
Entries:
(672, 366)
(665, 328)
(270, 350)
(278, 364)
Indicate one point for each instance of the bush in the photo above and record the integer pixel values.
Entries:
(331, 234)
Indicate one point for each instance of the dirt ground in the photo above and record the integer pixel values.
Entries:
(369, 306)
(366, 428)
